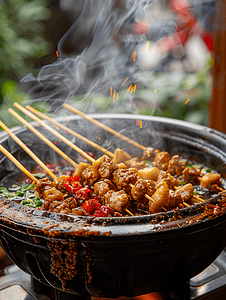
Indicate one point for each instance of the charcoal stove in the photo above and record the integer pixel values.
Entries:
(210, 284)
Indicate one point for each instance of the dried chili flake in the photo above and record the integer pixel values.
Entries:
(73, 184)
(90, 205)
(84, 193)
(104, 211)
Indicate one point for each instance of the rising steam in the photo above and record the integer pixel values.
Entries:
(105, 62)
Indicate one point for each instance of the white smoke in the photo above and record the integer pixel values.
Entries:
(106, 60)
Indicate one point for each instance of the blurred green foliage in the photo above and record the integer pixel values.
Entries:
(12, 93)
(186, 98)
(21, 38)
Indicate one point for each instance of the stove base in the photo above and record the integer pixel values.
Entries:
(208, 285)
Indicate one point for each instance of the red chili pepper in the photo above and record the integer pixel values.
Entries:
(84, 193)
(73, 178)
(96, 197)
(40, 208)
(104, 211)
(73, 184)
(91, 205)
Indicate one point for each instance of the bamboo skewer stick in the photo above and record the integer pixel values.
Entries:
(60, 136)
(215, 186)
(129, 212)
(43, 138)
(17, 163)
(76, 111)
(196, 197)
(70, 131)
(147, 196)
(112, 131)
(185, 204)
(88, 141)
(26, 149)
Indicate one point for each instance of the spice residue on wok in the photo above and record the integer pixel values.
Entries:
(120, 187)
(86, 202)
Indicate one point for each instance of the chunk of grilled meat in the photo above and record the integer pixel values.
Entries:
(168, 178)
(43, 185)
(123, 177)
(59, 182)
(160, 198)
(191, 175)
(107, 167)
(182, 194)
(142, 187)
(120, 156)
(102, 186)
(175, 167)
(65, 206)
(209, 179)
(117, 200)
(162, 160)
(80, 168)
(88, 176)
(135, 163)
(149, 173)
(53, 198)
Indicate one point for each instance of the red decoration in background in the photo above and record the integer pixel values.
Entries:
(188, 26)
(140, 28)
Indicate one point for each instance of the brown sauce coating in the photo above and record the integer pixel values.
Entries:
(107, 167)
(123, 177)
(191, 175)
(117, 200)
(107, 180)
(65, 253)
(175, 166)
(64, 256)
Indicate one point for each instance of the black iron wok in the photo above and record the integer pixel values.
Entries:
(117, 256)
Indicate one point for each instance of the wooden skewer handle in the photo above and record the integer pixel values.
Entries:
(70, 131)
(17, 163)
(129, 212)
(26, 149)
(112, 131)
(43, 138)
(60, 136)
